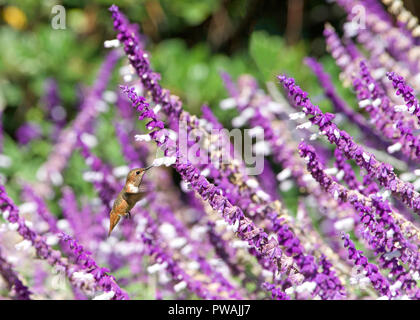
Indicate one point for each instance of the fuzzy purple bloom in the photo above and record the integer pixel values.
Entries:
(28, 132)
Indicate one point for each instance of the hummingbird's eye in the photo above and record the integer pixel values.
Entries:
(137, 172)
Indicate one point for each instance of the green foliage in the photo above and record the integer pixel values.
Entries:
(193, 73)
(108, 147)
(33, 57)
(273, 57)
(190, 11)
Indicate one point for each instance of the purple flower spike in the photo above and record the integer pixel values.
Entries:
(86, 262)
(378, 281)
(383, 172)
(406, 92)
(14, 284)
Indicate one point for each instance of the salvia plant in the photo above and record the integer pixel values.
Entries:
(210, 223)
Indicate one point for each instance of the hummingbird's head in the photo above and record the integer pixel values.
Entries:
(135, 176)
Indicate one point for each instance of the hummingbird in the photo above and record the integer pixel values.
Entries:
(128, 197)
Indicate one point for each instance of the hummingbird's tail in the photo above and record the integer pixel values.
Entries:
(113, 221)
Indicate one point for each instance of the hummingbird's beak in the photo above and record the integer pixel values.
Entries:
(147, 168)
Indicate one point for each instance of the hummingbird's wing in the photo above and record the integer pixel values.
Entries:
(144, 189)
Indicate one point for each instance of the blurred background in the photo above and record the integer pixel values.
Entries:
(190, 42)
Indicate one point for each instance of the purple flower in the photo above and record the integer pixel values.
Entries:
(100, 274)
(28, 132)
(378, 281)
(340, 105)
(406, 92)
(377, 216)
(14, 284)
(383, 172)
(55, 112)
